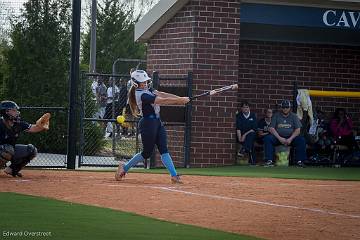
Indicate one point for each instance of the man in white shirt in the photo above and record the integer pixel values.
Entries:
(101, 98)
(112, 95)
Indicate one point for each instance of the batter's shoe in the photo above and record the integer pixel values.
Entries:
(176, 180)
(120, 173)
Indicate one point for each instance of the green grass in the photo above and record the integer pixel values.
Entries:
(316, 173)
(63, 220)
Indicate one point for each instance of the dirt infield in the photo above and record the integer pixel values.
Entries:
(262, 207)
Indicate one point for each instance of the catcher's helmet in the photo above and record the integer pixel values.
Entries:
(7, 105)
(139, 76)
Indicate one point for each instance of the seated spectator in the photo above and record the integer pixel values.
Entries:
(246, 131)
(322, 137)
(263, 125)
(341, 127)
(319, 148)
(285, 129)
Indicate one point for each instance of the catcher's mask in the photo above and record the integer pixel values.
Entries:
(139, 76)
(9, 110)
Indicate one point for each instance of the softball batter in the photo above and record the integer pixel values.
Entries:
(145, 102)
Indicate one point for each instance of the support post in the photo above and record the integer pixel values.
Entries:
(74, 80)
(188, 125)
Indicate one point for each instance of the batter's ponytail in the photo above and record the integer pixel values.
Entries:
(132, 102)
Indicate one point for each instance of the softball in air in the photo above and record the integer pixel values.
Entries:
(120, 119)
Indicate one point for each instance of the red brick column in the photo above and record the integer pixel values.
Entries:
(204, 38)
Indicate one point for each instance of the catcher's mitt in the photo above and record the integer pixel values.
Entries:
(44, 121)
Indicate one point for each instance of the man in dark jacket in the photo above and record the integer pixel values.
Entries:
(246, 131)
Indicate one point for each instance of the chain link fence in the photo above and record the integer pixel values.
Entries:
(103, 142)
(51, 144)
(9, 9)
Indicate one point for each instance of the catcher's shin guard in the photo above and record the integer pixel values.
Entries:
(13, 171)
(19, 164)
(16, 167)
(6, 152)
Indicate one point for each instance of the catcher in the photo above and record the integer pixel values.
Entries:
(10, 127)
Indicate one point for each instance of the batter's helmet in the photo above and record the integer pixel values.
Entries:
(139, 76)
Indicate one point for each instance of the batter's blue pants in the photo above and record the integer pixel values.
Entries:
(152, 133)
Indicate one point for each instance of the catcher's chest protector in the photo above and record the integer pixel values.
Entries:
(10, 135)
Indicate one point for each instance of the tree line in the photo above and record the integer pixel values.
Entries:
(35, 59)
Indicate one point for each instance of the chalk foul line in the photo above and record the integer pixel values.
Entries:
(256, 202)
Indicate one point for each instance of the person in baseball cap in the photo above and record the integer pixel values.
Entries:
(285, 103)
(285, 130)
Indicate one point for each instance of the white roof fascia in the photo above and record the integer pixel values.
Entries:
(157, 17)
(164, 10)
(339, 4)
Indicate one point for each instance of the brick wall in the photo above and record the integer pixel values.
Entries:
(268, 70)
(203, 38)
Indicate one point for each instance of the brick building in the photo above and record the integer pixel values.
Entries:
(265, 47)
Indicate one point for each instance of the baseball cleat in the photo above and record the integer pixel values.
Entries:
(9, 171)
(120, 173)
(176, 180)
(2, 164)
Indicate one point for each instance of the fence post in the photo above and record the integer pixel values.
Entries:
(188, 125)
(114, 126)
(82, 116)
(74, 80)
(295, 92)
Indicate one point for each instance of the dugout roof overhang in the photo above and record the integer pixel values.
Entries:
(164, 10)
(157, 17)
